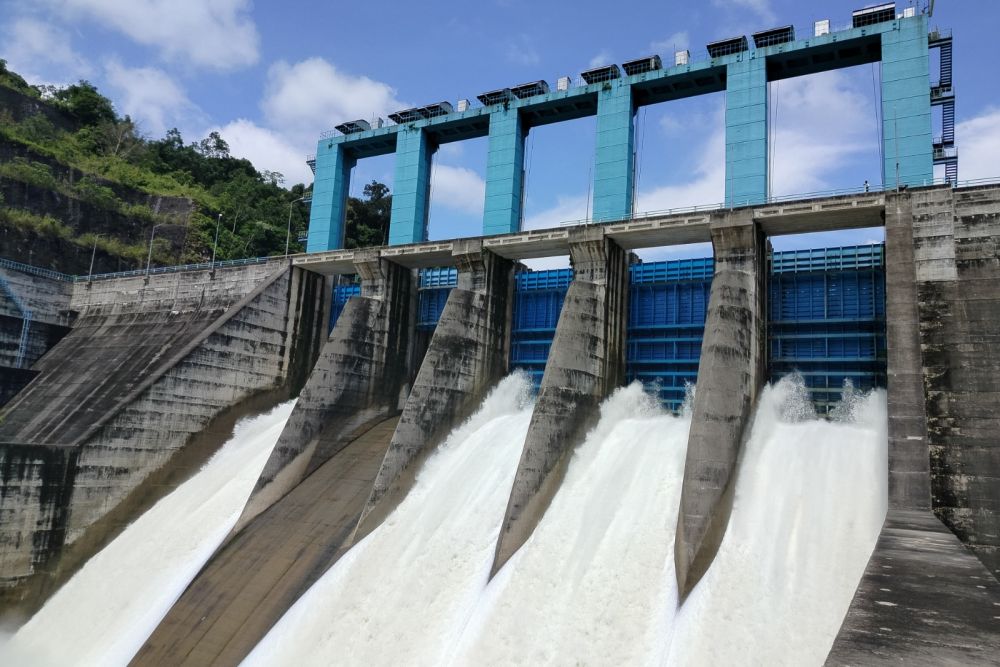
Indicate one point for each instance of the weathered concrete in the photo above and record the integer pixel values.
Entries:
(49, 302)
(254, 578)
(957, 251)
(909, 481)
(146, 367)
(586, 362)
(731, 371)
(467, 355)
(358, 381)
(924, 600)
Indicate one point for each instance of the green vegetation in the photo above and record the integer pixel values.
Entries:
(111, 152)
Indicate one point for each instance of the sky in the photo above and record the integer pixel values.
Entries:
(270, 77)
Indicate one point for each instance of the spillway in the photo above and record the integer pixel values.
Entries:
(107, 609)
(399, 595)
(595, 583)
(810, 500)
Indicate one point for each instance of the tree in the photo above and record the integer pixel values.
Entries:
(213, 146)
(86, 104)
(368, 218)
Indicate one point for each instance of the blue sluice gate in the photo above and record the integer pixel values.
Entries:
(826, 318)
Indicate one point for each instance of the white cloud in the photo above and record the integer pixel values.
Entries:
(522, 52)
(567, 208)
(458, 188)
(266, 149)
(823, 124)
(34, 50)
(760, 7)
(675, 42)
(311, 96)
(216, 34)
(978, 141)
(149, 96)
(602, 58)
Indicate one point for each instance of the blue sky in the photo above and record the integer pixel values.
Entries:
(271, 76)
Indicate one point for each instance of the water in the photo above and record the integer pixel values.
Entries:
(400, 595)
(105, 612)
(810, 501)
(595, 584)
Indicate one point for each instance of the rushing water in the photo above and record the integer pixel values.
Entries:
(594, 584)
(401, 595)
(105, 612)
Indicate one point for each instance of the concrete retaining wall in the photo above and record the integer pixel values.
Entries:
(731, 371)
(49, 303)
(957, 255)
(586, 362)
(145, 368)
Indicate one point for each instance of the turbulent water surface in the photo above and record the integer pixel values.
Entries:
(594, 584)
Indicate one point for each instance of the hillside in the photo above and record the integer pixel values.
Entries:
(75, 176)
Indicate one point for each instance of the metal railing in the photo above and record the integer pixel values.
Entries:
(201, 266)
(26, 316)
(35, 270)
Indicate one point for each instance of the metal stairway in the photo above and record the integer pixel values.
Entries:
(943, 95)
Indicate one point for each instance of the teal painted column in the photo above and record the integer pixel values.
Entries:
(504, 173)
(329, 201)
(411, 187)
(746, 131)
(615, 154)
(906, 104)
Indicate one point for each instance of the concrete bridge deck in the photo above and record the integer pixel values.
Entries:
(800, 216)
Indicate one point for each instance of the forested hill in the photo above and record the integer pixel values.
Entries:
(74, 175)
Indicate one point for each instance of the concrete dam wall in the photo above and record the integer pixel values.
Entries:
(375, 405)
(146, 366)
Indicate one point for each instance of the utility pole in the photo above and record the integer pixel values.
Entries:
(149, 257)
(215, 246)
(288, 229)
(93, 253)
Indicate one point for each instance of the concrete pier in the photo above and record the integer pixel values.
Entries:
(586, 362)
(467, 356)
(356, 383)
(731, 371)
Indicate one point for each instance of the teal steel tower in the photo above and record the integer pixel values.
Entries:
(613, 94)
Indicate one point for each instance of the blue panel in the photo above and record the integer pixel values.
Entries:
(906, 104)
(411, 187)
(746, 131)
(329, 201)
(538, 300)
(615, 152)
(504, 173)
(341, 293)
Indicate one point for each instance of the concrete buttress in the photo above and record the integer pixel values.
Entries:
(730, 372)
(586, 362)
(467, 356)
(355, 384)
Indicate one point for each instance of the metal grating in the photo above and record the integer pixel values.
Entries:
(774, 36)
(725, 47)
(643, 65)
(600, 74)
(873, 15)
(530, 89)
(353, 127)
(495, 97)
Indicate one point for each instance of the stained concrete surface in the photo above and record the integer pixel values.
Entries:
(924, 600)
(254, 578)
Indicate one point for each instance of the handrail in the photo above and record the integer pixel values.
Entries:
(26, 317)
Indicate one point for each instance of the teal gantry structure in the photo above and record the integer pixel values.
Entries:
(901, 42)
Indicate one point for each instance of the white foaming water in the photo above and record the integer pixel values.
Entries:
(401, 595)
(104, 613)
(595, 583)
(810, 501)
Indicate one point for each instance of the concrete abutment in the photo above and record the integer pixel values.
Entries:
(466, 357)
(586, 363)
(731, 371)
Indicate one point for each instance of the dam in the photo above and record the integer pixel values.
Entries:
(468, 449)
